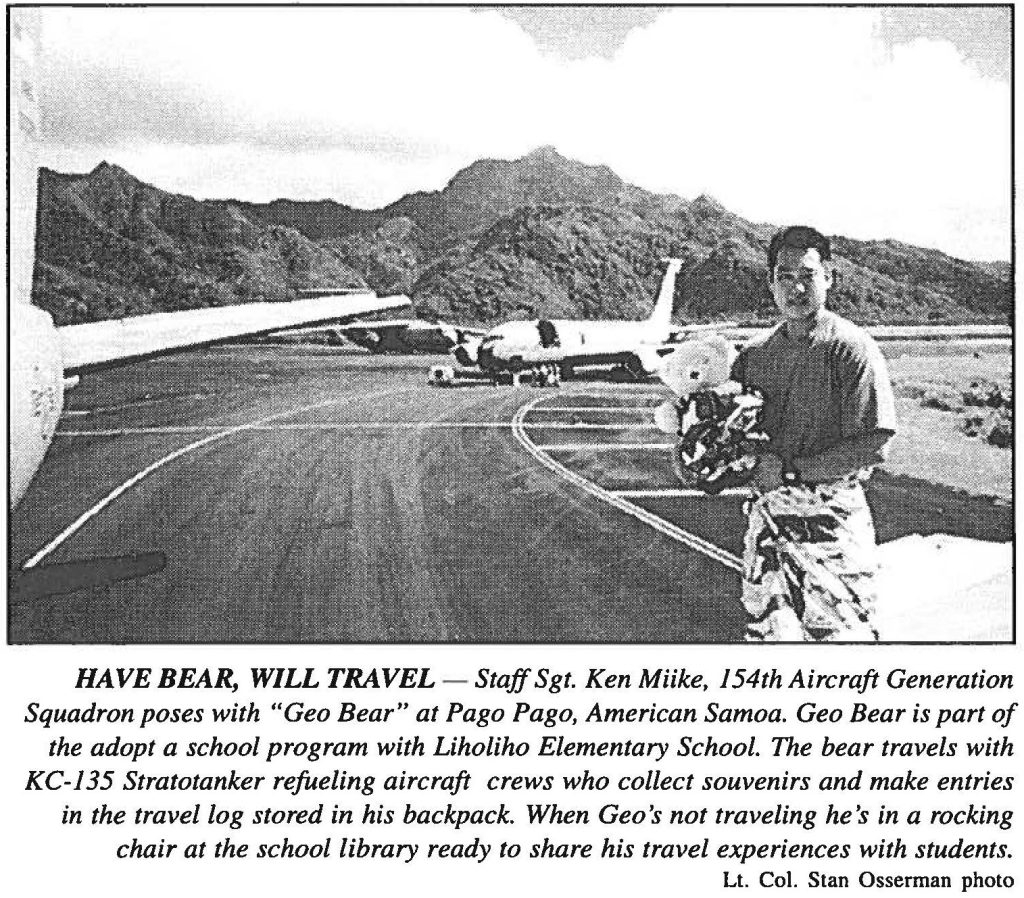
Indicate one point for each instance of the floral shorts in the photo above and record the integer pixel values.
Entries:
(810, 565)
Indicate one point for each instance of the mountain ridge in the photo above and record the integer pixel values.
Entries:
(539, 235)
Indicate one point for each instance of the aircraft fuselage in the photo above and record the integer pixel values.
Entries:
(519, 345)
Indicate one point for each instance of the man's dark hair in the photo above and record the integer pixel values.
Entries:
(798, 237)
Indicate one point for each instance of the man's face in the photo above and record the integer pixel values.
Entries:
(799, 282)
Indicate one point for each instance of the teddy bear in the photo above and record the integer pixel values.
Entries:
(698, 368)
(718, 425)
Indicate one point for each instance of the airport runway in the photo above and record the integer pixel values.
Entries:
(310, 495)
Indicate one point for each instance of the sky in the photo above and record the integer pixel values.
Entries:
(870, 123)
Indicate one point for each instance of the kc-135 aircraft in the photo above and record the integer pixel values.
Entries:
(553, 348)
(547, 348)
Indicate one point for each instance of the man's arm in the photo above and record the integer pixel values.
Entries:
(846, 457)
(836, 462)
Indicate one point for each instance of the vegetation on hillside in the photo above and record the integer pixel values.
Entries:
(108, 245)
(538, 236)
(388, 257)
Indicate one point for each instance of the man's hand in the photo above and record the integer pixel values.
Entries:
(767, 474)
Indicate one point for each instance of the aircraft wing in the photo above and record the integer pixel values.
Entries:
(462, 334)
(105, 343)
(678, 334)
(408, 334)
(454, 333)
(395, 324)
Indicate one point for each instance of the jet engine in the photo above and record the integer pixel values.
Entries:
(467, 353)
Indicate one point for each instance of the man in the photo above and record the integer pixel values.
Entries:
(829, 414)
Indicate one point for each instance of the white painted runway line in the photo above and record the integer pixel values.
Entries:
(271, 428)
(605, 447)
(679, 493)
(603, 409)
(344, 425)
(586, 426)
(540, 453)
(84, 518)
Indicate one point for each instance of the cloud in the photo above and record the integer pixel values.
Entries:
(981, 34)
(131, 73)
(782, 114)
(580, 33)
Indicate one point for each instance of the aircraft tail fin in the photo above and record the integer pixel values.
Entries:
(661, 317)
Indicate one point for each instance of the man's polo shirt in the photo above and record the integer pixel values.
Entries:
(820, 389)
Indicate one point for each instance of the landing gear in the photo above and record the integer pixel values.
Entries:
(545, 375)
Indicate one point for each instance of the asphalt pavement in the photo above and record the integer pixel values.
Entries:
(311, 495)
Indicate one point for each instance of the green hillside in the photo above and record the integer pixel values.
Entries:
(108, 245)
(542, 235)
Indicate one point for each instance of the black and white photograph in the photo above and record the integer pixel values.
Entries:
(510, 325)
